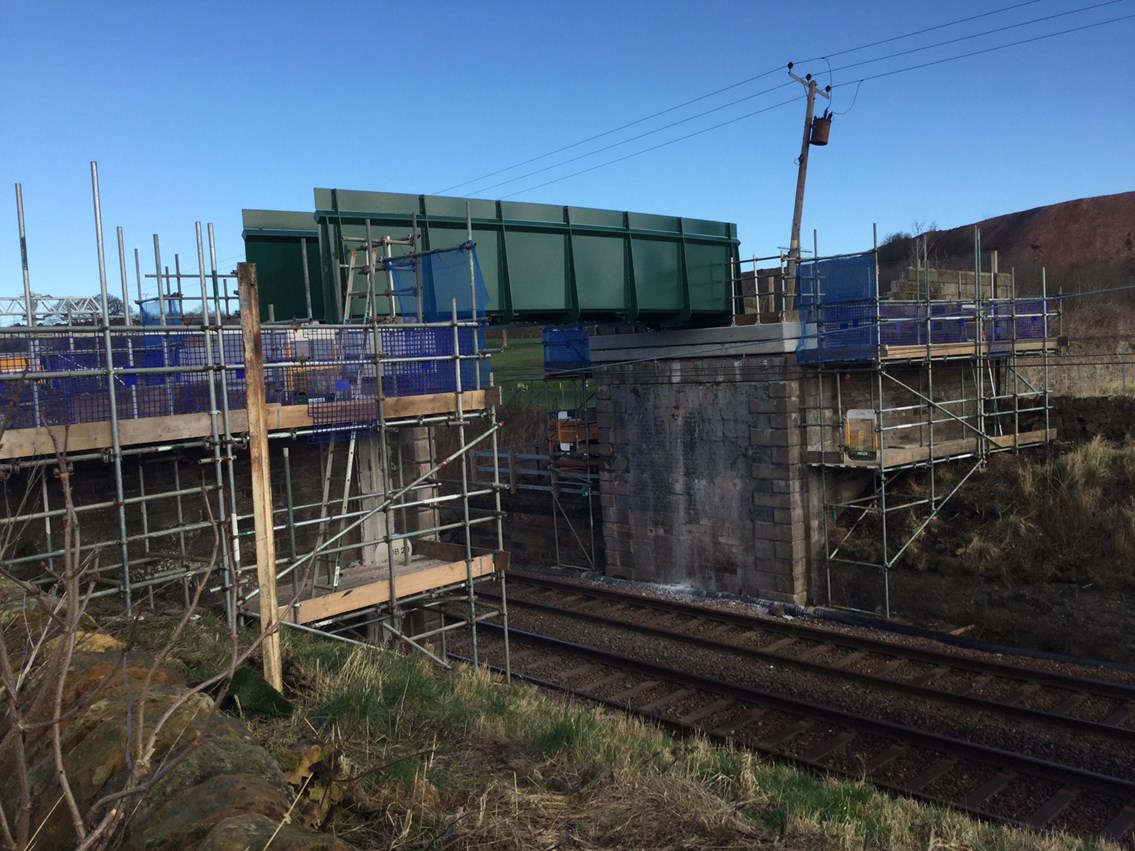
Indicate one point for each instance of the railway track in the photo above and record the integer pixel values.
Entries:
(1022, 778)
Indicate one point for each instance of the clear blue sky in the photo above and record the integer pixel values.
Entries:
(195, 110)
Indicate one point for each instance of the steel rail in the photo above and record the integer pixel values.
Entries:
(1070, 781)
(1100, 688)
(1121, 734)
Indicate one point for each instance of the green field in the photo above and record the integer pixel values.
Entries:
(521, 361)
(519, 371)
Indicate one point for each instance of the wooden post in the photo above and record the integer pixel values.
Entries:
(261, 475)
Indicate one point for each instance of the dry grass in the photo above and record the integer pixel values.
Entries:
(460, 760)
(620, 808)
(1071, 519)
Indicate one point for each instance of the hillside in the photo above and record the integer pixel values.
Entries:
(1088, 233)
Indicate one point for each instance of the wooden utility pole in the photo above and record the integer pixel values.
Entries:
(255, 405)
(798, 211)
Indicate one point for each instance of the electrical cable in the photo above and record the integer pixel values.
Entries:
(632, 138)
(981, 34)
(864, 79)
(854, 98)
(921, 31)
(652, 148)
(732, 86)
(614, 130)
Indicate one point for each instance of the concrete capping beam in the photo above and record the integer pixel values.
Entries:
(773, 339)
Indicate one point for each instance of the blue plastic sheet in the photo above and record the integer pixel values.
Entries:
(566, 350)
(836, 301)
(844, 321)
(444, 277)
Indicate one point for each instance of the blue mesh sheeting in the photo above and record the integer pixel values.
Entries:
(152, 310)
(444, 277)
(418, 377)
(63, 378)
(337, 380)
(949, 321)
(838, 280)
(843, 322)
(342, 385)
(1015, 320)
(566, 350)
(836, 300)
(841, 329)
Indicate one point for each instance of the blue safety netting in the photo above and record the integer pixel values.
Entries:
(836, 301)
(844, 320)
(152, 309)
(566, 350)
(444, 278)
(66, 378)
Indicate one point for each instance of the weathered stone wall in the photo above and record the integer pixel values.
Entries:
(705, 478)
(949, 285)
(905, 414)
(702, 481)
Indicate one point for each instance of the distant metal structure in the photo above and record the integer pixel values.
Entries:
(36, 309)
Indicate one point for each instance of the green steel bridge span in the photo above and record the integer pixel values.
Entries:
(540, 262)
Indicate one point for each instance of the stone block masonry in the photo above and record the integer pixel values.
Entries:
(702, 475)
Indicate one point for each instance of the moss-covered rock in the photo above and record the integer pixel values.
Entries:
(255, 831)
(221, 788)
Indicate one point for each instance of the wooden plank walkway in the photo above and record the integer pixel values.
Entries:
(33, 442)
(366, 586)
(901, 456)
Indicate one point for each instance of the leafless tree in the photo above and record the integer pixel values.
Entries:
(36, 656)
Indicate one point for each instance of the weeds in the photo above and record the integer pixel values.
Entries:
(459, 759)
(54, 694)
(566, 729)
(1071, 519)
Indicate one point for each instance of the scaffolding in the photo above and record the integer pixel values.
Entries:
(944, 367)
(148, 405)
(550, 468)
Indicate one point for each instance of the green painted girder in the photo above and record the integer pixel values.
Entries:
(274, 241)
(541, 262)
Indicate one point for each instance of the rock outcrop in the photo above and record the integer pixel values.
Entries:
(217, 788)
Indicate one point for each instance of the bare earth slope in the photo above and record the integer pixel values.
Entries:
(1086, 233)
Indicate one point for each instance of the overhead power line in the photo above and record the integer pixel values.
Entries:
(978, 35)
(653, 147)
(634, 138)
(708, 95)
(880, 75)
(629, 124)
(918, 32)
(993, 49)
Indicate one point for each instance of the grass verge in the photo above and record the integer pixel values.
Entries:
(426, 758)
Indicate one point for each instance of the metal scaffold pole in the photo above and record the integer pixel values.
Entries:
(108, 350)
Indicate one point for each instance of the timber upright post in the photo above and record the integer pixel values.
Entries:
(261, 477)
